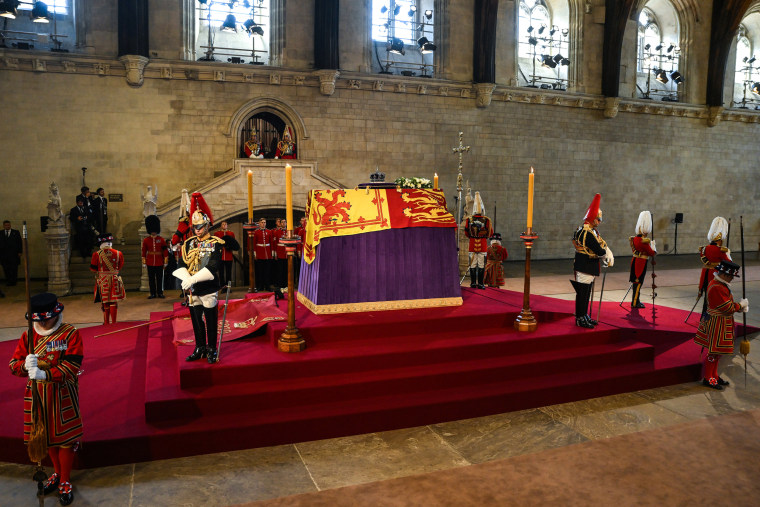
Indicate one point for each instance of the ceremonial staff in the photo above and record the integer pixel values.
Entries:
(37, 443)
(744, 346)
(224, 321)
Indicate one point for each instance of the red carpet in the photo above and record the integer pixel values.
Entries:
(361, 372)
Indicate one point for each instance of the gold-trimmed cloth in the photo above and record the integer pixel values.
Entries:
(375, 306)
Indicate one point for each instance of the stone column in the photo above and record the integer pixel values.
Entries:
(144, 285)
(57, 237)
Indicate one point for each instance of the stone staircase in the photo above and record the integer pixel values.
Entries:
(83, 280)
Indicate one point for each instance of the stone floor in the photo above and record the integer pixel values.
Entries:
(266, 473)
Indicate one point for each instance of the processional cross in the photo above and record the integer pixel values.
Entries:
(460, 150)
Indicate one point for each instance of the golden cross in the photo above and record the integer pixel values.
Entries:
(460, 150)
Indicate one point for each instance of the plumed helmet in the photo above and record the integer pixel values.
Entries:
(718, 229)
(477, 205)
(593, 211)
(152, 224)
(728, 268)
(644, 224)
(200, 213)
(287, 135)
(184, 203)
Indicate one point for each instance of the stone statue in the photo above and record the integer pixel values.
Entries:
(150, 201)
(55, 215)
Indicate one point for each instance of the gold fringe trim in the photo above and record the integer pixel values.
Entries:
(370, 306)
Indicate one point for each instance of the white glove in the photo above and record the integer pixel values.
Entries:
(30, 362)
(653, 245)
(609, 259)
(744, 304)
(201, 276)
(181, 273)
(37, 374)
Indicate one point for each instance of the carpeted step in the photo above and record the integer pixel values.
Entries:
(175, 404)
(262, 361)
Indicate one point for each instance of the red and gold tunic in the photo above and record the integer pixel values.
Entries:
(226, 252)
(279, 248)
(478, 228)
(642, 251)
(262, 244)
(494, 275)
(301, 233)
(154, 251)
(62, 351)
(711, 255)
(716, 333)
(108, 287)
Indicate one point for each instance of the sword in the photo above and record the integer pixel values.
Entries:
(626, 295)
(601, 296)
(224, 321)
(699, 296)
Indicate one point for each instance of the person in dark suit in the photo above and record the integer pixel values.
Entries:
(10, 252)
(99, 205)
(82, 228)
(86, 198)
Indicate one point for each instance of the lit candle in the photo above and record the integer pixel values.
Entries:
(250, 196)
(435, 181)
(530, 199)
(289, 196)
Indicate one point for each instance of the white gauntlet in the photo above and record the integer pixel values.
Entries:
(608, 259)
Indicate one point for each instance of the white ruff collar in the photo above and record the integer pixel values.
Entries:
(47, 332)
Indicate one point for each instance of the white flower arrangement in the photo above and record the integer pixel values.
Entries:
(413, 183)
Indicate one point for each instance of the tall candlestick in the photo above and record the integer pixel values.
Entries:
(289, 195)
(250, 196)
(530, 199)
(435, 181)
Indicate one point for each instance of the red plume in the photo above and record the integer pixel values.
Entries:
(593, 209)
(197, 202)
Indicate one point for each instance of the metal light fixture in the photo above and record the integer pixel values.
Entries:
(541, 29)
(9, 9)
(397, 10)
(547, 61)
(532, 40)
(40, 13)
(530, 29)
(670, 48)
(229, 24)
(558, 58)
(252, 28)
(425, 45)
(676, 77)
(396, 45)
(751, 60)
(412, 10)
(383, 9)
(658, 47)
(553, 30)
(647, 46)
(429, 14)
(661, 76)
(755, 88)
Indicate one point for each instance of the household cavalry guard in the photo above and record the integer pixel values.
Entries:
(478, 228)
(643, 248)
(590, 251)
(711, 256)
(198, 270)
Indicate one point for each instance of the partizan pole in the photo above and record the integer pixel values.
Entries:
(744, 346)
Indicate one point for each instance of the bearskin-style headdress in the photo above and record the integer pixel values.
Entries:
(593, 211)
(200, 213)
(152, 224)
(718, 229)
(477, 205)
(644, 224)
(184, 204)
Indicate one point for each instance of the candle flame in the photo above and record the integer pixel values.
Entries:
(531, 169)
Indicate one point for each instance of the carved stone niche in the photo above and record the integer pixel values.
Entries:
(135, 68)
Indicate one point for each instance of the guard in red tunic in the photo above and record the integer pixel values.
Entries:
(590, 252)
(199, 272)
(478, 228)
(263, 253)
(107, 262)
(643, 248)
(54, 364)
(286, 148)
(155, 256)
(280, 254)
(230, 245)
(716, 333)
(495, 255)
(711, 255)
(252, 146)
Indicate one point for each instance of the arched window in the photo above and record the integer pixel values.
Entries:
(657, 61)
(746, 92)
(235, 31)
(267, 130)
(27, 24)
(402, 37)
(542, 47)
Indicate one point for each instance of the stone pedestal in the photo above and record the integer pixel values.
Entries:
(57, 237)
(144, 285)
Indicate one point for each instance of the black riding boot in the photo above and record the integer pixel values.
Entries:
(473, 277)
(582, 295)
(481, 274)
(211, 315)
(199, 330)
